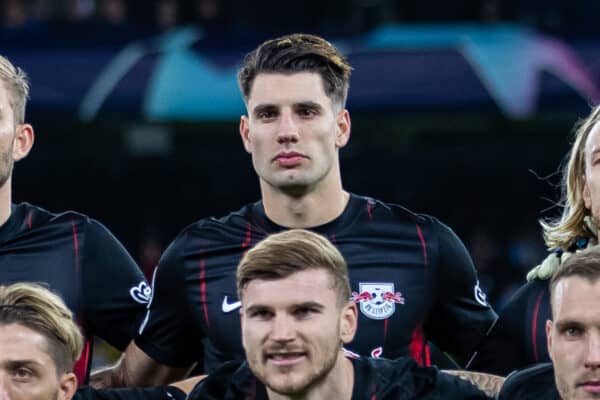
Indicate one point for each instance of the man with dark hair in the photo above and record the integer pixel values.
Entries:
(296, 315)
(39, 344)
(75, 255)
(410, 274)
(573, 337)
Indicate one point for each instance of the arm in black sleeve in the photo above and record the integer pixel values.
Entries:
(167, 333)
(156, 393)
(114, 290)
(506, 349)
(461, 316)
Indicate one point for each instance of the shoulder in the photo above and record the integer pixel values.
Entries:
(395, 212)
(210, 233)
(536, 382)
(229, 381)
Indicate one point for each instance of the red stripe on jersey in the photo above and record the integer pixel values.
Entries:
(75, 246)
(369, 211)
(385, 328)
(423, 245)
(536, 311)
(419, 350)
(203, 293)
(374, 391)
(82, 365)
(248, 237)
(29, 224)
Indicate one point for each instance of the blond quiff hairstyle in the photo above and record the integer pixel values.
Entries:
(283, 254)
(42, 311)
(16, 83)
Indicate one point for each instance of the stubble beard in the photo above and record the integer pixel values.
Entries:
(6, 166)
(313, 378)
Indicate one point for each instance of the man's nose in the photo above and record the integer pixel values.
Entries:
(4, 388)
(592, 357)
(282, 329)
(288, 128)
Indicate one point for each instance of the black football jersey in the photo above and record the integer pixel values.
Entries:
(518, 339)
(411, 277)
(80, 260)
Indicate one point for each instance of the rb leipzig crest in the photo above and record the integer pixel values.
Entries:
(377, 300)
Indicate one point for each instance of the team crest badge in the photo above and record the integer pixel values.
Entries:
(377, 300)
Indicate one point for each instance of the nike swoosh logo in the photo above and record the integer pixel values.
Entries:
(229, 307)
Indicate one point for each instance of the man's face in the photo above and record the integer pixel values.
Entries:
(293, 329)
(7, 134)
(293, 131)
(574, 338)
(27, 372)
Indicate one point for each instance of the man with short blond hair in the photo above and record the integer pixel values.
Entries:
(75, 255)
(573, 337)
(39, 344)
(296, 316)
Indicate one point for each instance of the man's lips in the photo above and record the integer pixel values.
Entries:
(591, 386)
(288, 159)
(285, 359)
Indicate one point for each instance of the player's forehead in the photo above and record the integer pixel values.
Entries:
(5, 103)
(592, 143)
(309, 285)
(281, 89)
(20, 343)
(575, 297)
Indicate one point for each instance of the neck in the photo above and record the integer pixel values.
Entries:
(337, 384)
(5, 200)
(304, 207)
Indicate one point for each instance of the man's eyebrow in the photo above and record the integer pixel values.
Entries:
(264, 107)
(567, 323)
(305, 304)
(307, 104)
(308, 304)
(21, 362)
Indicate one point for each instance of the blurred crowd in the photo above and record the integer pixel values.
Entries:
(333, 17)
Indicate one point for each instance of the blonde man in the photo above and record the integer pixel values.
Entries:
(519, 339)
(39, 344)
(573, 337)
(74, 254)
(296, 315)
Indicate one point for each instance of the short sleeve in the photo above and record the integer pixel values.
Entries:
(114, 290)
(461, 316)
(511, 342)
(167, 334)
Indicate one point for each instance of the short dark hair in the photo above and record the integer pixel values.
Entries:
(283, 254)
(298, 52)
(584, 264)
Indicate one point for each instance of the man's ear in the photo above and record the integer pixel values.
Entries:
(549, 337)
(67, 386)
(343, 126)
(349, 322)
(245, 133)
(23, 141)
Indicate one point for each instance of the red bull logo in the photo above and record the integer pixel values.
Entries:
(377, 300)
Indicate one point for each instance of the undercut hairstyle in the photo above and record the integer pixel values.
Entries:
(295, 53)
(285, 253)
(37, 308)
(563, 231)
(584, 264)
(17, 85)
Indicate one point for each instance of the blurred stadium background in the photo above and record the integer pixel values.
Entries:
(463, 110)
